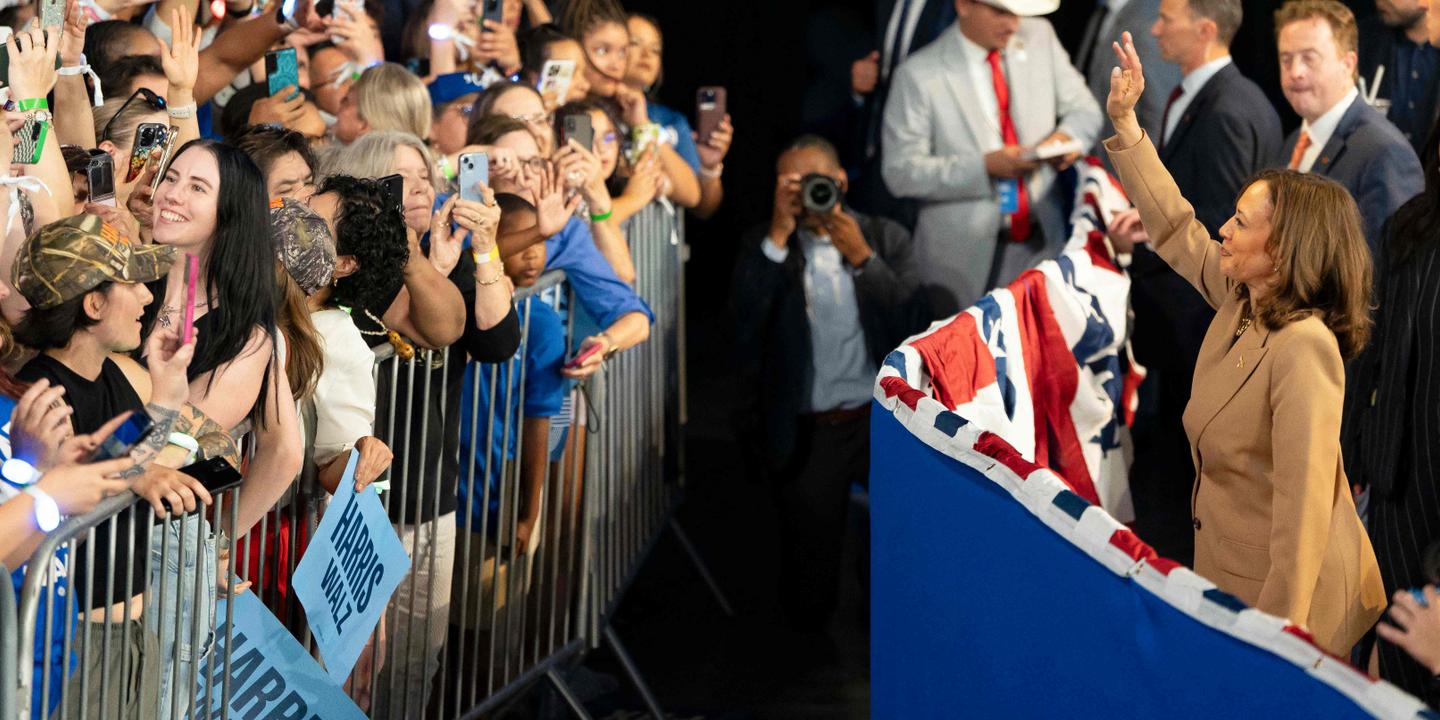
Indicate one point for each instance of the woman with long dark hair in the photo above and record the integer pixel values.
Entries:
(1392, 408)
(211, 204)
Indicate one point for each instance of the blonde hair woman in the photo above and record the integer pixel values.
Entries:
(1275, 524)
(386, 97)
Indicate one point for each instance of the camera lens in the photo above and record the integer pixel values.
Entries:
(819, 193)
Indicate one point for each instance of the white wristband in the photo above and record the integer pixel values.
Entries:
(84, 69)
(182, 440)
(182, 112)
(47, 513)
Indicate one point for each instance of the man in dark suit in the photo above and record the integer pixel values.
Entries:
(1094, 58)
(1395, 49)
(901, 28)
(1217, 129)
(1340, 136)
(820, 299)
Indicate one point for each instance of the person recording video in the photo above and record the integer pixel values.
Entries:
(821, 294)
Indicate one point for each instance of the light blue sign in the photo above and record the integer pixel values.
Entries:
(349, 571)
(270, 675)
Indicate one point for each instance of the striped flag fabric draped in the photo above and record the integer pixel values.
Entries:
(1044, 364)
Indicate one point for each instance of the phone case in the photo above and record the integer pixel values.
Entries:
(282, 71)
(474, 171)
(579, 129)
(147, 137)
(709, 111)
(494, 10)
(52, 13)
(27, 142)
(555, 78)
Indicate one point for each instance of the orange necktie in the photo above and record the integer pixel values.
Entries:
(1301, 145)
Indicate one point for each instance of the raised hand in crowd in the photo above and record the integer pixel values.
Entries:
(1415, 626)
(74, 120)
(182, 67)
(632, 105)
(141, 201)
(787, 209)
(357, 38)
(78, 488)
(168, 361)
(579, 168)
(497, 44)
(551, 209)
(375, 458)
(289, 109)
(41, 433)
(713, 151)
(1127, 83)
(647, 180)
(865, 74)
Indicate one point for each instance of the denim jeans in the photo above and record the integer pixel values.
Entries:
(177, 605)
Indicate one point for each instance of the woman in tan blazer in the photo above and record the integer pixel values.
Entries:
(1275, 524)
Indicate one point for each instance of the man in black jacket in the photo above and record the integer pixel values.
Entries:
(1395, 50)
(820, 299)
(1217, 130)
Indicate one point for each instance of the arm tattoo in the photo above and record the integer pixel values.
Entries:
(213, 440)
(164, 423)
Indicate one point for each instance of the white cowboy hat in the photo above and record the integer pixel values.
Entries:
(1025, 8)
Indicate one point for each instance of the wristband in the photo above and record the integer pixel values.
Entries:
(482, 259)
(187, 442)
(712, 174)
(182, 112)
(602, 217)
(486, 283)
(19, 472)
(84, 69)
(47, 513)
(39, 103)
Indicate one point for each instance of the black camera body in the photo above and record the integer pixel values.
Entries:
(819, 194)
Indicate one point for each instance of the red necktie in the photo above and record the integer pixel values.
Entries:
(1020, 219)
(1165, 119)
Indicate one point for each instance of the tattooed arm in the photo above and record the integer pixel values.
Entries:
(214, 440)
(151, 445)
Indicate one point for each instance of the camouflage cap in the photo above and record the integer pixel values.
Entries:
(70, 257)
(303, 243)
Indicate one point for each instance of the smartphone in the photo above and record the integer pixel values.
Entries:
(216, 474)
(100, 171)
(394, 187)
(494, 10)
(555, 79)
(52, 13)
(28, 141)
(130, 433)
(474, 172)
(147, 137)
(584, 355)
(709, 110)
(282, 71)
(192, 275)
(171, 139)
(578, 128)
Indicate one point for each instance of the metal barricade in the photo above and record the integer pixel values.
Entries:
(524, 523)
(120, 638)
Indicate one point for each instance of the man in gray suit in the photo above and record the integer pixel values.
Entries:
(1095, 59)
(962, 125)
(1342, 137)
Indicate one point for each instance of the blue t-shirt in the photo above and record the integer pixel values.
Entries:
(49, 631)
(675, 121)
(603, 296)
(545, 388)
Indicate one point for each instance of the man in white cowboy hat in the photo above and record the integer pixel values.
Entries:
(976, 126)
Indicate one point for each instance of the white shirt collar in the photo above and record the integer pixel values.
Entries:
(973, 51)
(1197, 78)
(1324, 126)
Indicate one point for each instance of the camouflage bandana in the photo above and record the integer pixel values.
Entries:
(303, 243)
(68, 258)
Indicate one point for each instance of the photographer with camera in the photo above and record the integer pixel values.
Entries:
(821, 295)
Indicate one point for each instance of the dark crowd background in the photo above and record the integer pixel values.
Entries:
(786, 66)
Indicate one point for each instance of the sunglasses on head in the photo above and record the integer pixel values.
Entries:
(145, 95)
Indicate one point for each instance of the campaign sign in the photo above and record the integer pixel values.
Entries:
(352, 566)
(270, 675)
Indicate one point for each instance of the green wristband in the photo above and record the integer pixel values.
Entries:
(602, 217)
(39, 103)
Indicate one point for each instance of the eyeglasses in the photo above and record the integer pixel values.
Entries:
(535, 164)
(535, 118)
(608, 138)
(147, 95)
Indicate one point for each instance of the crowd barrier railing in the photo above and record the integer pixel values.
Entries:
(523, 534)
